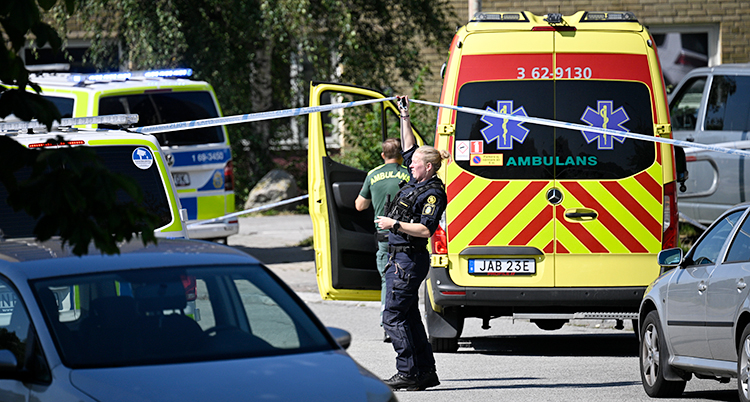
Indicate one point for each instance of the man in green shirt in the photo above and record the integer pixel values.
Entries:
(380, 182)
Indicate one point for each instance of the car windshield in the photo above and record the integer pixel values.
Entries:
(158, 316)
(169, 107)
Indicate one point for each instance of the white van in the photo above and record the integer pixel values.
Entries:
(712, 106)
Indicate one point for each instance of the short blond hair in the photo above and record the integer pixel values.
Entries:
(432, 155)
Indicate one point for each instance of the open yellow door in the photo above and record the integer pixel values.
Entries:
(344, 238)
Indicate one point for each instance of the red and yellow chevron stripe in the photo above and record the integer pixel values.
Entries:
(484, 212)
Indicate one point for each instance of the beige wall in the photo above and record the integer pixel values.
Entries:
(729, 18)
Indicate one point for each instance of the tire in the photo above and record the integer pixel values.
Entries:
(653, 356)
(444, 345)
(549, 325)
(743, 365)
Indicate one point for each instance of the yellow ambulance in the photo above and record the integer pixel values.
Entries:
(542, 223)
(200, 160)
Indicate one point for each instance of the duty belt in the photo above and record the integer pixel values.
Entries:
(407, 249)
(382, 236)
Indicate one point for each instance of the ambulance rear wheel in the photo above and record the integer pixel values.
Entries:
(444, 345)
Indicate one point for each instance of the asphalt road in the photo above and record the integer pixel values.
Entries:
(512, 361)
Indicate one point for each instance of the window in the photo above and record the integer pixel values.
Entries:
(158, 316)
(15, 324)
(685, 47)
(728, 106)
(740, 249)
(118, 159)
(684, 108)
(352, 133)
(169, 107)
(63, 105)
(506, 149)
(707, 251)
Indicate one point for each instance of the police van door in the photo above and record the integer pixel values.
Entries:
(344, 238)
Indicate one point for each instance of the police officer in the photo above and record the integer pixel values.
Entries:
(412, 217)
(381, 184)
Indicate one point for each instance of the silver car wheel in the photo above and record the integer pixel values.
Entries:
(650, 354)
(743, 367)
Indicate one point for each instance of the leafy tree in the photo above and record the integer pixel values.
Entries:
(362, 132)
(261, 54)
(68, 190)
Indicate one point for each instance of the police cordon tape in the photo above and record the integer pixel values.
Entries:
(250, 117)
(251, 210)
(277, 114)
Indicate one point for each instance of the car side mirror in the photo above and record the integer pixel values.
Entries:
(681, 167)
(341, 336)
(670, 258)
(8, 364)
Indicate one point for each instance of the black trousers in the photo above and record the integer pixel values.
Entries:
(401, 318)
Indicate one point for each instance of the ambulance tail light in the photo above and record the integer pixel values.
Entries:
(440, 239)
(671, 231)
(228, 176)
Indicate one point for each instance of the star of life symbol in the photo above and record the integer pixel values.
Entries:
(504, 131)
(605, 117)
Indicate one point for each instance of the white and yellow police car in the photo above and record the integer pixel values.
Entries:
(200, 160)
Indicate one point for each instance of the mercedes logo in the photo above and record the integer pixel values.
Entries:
(554, 196)
(170, 160)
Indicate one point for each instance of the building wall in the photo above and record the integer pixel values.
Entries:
(728, 21)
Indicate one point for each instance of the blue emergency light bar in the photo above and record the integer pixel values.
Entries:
(126, 75)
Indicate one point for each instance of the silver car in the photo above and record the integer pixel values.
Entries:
(181, 321)
(694, 319)
(711, 105)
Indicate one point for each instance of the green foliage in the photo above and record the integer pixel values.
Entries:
(18, 19)
(70, 192)
(260, 55)
(362, 132)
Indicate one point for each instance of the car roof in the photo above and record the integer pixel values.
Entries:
(62, 80)
(87, 134)
(742, 69)
(33, 259)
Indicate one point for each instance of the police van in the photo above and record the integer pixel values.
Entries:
(200, 160)
(542, 223)
(138, 156)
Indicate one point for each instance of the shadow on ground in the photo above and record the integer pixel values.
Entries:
(280, 255)
(615, 345)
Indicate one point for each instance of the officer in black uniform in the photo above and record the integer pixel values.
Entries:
(412, 217)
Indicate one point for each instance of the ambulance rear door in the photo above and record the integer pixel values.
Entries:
(610, 217)
(500, 222)
(344, 238)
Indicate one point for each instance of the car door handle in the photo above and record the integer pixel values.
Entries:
(581, 214)
(701, 287)
(741, 285)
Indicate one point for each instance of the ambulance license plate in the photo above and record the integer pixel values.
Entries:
(502, 266)
(181, 179)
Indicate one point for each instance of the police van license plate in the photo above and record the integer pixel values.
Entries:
(181, 179)
(502, 266)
